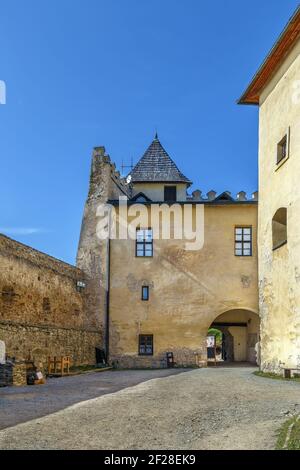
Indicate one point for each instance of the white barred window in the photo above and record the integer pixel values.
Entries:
(243, 241)
(144, 242)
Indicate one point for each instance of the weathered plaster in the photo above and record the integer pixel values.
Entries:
(188, 291)
(279, 187)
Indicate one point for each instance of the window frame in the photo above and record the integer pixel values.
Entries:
(142, 336)
(283, 144)
(285, 140)
(143, 243)
(166, 187)
(243, 227)
(148, 293)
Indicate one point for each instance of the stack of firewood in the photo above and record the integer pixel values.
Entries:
(20, 374)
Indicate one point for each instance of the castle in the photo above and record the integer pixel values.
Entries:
(156, 296)
(222, 261)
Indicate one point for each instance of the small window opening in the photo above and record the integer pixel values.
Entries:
(145, 292)
(282, 149)
(279, 228)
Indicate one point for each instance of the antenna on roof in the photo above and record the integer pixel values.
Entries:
(156, 135)
(127, 166)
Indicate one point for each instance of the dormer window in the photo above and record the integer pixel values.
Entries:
(170, 193)
(141, 199)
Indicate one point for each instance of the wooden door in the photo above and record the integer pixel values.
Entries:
(239, 334)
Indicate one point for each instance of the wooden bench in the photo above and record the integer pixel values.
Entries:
(287, 371)
(59, 365)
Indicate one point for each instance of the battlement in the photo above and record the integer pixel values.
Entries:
(100, 159)
(212, 196)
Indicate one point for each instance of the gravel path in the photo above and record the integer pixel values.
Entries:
(210, 408)
(21, 404)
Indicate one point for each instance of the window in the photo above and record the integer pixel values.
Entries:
(146, 345)
(144, 242)
(282, 149)
(279, 228)
(145, 292)
(170, 193)
(80, 286)
(243, 241)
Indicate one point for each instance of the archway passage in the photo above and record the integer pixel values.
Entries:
(239, 333)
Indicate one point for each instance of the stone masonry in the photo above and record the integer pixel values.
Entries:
(92, 256)
(42, 313)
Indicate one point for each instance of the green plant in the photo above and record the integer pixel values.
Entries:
(270, 375)
(289, 435)
(217, 333)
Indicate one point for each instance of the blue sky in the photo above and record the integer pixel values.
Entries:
(86, 73)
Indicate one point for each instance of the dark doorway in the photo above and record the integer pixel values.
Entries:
(224, 344)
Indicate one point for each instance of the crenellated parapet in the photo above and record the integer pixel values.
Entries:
(105, 179)
(212, 196)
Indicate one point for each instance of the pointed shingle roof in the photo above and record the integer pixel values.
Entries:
(156, 166)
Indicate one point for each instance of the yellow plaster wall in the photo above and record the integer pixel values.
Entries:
(188, 290)
(279, 271)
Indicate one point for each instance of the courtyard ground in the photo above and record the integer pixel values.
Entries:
(20, 404)
(213, 408)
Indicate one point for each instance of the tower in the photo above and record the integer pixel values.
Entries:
(93, 253)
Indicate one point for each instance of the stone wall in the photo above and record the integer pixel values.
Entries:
(38, 342)
(41, 310)
(183, 357)
(92, 256)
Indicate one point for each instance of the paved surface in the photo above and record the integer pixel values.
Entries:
(20, 404)
(223, 408)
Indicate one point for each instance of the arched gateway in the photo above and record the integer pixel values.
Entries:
(239, 334)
